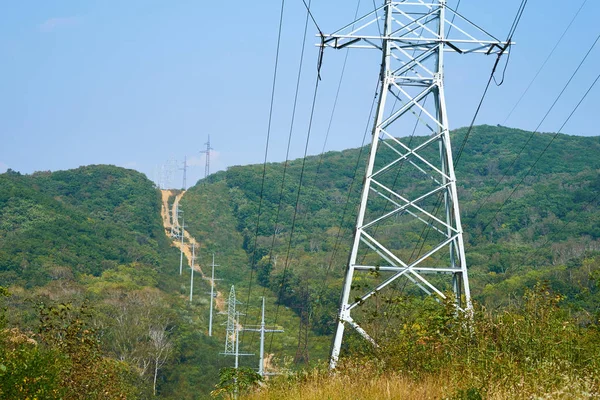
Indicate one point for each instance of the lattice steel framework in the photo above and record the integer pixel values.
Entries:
(408, 225)
(231, 330)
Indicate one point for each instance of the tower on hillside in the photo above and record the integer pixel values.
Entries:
(207, 163)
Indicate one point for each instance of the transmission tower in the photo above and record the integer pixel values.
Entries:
(232, 335)
(408, 225)
(184, 169)
(207, 152)
(231, 323)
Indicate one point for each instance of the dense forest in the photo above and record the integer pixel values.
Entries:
(87, 272)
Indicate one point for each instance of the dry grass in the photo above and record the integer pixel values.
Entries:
(354, 385)
(346, 386)
(534, 351)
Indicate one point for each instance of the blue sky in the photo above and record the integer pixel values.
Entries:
(137, 83)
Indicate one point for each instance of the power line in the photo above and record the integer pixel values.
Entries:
(291, 126)
(540, 124)
(262, 186)
(542, 153)
(286, 265)
(517, 19)
(287, 155)
(337, 94)
(508, 43)
(307, 6)
(565, 224)
(544, 63)
(350, 188)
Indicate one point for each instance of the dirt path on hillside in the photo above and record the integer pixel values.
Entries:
(168, 222)
(164, 210)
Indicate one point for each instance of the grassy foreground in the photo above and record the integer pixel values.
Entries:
(535, 349)
(366, 384)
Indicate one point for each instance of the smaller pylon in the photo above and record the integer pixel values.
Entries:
(231, 323)
(233, 329)
(212, 293)
(262, 330)
(184, 168)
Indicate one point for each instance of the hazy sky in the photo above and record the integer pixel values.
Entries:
(136, 83)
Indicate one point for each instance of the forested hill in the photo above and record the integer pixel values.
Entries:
(91, 219)
(95, 287)
(95, 306)
(529, 215)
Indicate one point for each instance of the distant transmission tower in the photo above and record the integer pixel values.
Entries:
(408, 225)
(232, 336)
(231, 323)
(207, 152)
(184, 168)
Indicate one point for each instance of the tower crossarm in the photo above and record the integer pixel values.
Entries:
(414, 27)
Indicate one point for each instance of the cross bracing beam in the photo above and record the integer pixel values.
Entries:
(409, 199)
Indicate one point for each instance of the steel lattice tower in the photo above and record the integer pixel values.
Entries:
(207, 163)
(230, 334)
(408, 225)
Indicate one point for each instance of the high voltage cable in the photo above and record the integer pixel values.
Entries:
(511, 32)
(544, 63)
(262, 187)
(286, 265)
(540, 124)
(350, 188)
(377, 17)
(287, 154)
(542, 153)
(453, 17)
(307, 6)
(516, 21)
(508, 41)
(334, 107)
(335, 101)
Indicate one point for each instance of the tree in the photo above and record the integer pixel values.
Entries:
(160, 348)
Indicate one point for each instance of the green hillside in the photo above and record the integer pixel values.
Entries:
(84, 250)
(91, 274)
(548, 230)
